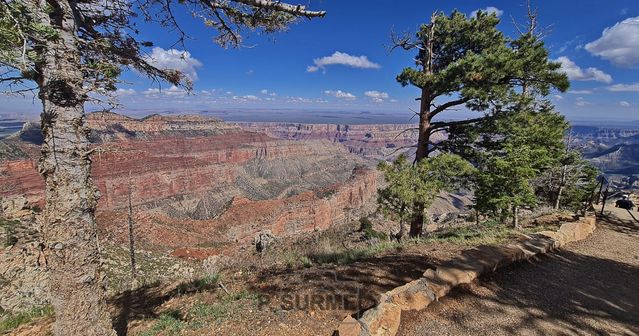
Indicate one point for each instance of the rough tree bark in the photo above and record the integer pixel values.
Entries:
(131, 239)
(425, 129)
(77, 285)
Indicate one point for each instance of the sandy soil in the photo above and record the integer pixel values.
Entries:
(590, 288)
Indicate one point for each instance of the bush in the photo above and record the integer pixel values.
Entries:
(204, 283)
(10, 231)
(171, 322)
(344, 257)
(365, 224)
(370, 234)
(13, 321)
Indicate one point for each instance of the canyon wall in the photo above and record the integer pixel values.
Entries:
(371, 141)
(195, 180)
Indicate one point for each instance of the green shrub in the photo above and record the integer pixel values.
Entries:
(365, 224)
(202, 313)
(306, 261)
(349, 256)
(12, 321)
(9, 227)
(207, 282)
(169, 323)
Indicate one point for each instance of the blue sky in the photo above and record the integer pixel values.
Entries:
(341, 63)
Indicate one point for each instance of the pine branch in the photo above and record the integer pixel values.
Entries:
(445, 106)
(445, 124)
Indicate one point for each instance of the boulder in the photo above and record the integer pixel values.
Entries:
(382, 320)
(263, 240)
(349, 327)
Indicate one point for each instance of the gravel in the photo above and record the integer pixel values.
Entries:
(589, 288)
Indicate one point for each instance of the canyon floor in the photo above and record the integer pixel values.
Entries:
(590, 288)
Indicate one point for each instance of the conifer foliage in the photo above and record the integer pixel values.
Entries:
(467, 62)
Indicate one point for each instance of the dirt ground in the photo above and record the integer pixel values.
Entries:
(590, 288)
(275, 301)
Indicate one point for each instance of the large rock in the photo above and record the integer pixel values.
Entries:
(349, 327)
(382, 320)
(263, 240)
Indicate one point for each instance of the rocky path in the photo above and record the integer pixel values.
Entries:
(590, 288)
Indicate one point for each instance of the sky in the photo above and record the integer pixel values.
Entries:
(341, 63)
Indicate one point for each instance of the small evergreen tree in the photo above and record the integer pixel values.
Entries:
(513, 151)
(409, 184)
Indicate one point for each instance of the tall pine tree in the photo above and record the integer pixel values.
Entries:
(468, 62)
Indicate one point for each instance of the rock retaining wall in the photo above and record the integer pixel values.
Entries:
(384, 319)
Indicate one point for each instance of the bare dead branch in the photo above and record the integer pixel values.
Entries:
(296, 10)
(404, 131)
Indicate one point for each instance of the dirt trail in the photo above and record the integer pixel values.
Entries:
(590, 288)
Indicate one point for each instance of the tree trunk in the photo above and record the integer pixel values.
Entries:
(516, 216)
(558, 198)
(423, 141)
(417, 223)
(77, 285)
(131, 241)
(562, 183)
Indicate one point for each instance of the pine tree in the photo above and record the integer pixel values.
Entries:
(408, 184)
(513, 150)
(71, 49)
(468, 62)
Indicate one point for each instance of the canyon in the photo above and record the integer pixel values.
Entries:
(615, 151)
(375, 141)
(196, 181)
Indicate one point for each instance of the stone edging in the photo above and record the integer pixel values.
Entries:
(384, 319)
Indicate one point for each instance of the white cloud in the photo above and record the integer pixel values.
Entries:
(624, 103)
(298, 100)
(173, 91)
(618, 44)
(125, 92)
(376, 96)
(340, 58)
(489, 10)
(624, 87)
(582, 92)
(558, 97)
(623, 11)
(174, 59)
(340, 94)
(267, 92)
(574, 72)
(581, 102)
(246, 98)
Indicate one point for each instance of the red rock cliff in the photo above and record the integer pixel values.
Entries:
(169, 163)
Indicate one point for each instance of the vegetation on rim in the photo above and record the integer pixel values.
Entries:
(71, 51)
(503, 153)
